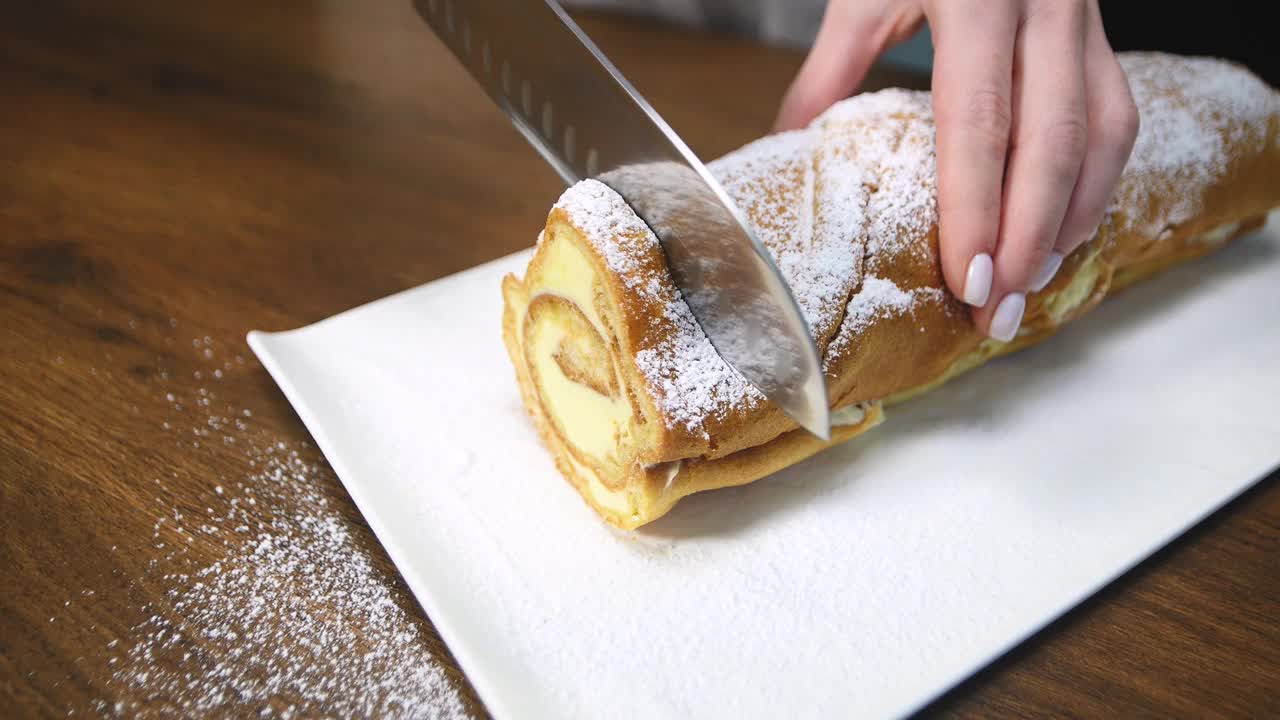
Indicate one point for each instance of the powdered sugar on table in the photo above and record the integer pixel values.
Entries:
(294, 619)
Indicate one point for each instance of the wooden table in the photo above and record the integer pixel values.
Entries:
(175, 174)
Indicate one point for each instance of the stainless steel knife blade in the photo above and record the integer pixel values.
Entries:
(585, 118)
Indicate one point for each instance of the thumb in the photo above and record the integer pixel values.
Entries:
(847, 44)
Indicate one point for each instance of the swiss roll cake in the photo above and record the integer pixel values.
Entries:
(637, 408)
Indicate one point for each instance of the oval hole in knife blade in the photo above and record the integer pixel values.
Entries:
(570, 140)
(546, 120)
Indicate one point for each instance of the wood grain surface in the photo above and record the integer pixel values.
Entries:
(173, 175)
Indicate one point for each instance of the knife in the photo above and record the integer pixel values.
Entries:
(587, 121)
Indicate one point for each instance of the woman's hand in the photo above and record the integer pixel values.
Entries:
(1035, 122)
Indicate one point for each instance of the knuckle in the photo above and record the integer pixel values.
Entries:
(1066, 141)
(988, 118)
(1053, 9)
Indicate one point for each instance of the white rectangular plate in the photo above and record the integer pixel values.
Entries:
(862, 583)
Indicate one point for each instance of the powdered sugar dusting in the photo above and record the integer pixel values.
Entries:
(1190, 109)
(685, 373)
(891, 132)
(617, 233)
(795, 215)
(691, 380)
(293, 620)
(895, 141)
(879, 299)
(858, 181)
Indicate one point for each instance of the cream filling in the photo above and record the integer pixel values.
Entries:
(566, 272)
(1219, 235)
(849, 415)
(1061, 303)
(591, 421)
(669, 469)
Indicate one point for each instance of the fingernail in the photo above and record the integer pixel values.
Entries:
(1051, 265)
(977, 281)
(1008, 316)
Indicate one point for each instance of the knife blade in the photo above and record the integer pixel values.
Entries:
(576, 109)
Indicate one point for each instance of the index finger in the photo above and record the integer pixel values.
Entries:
(972, 81)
